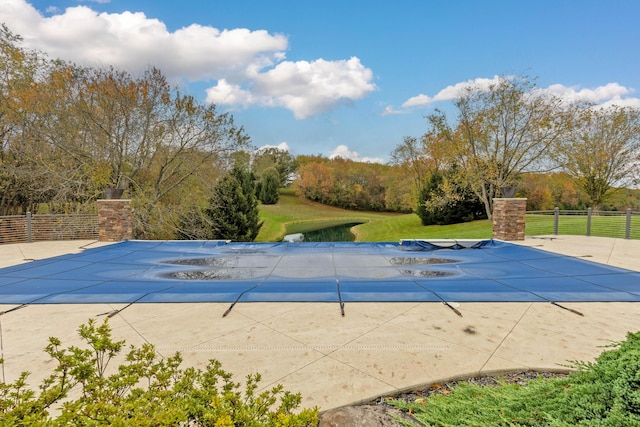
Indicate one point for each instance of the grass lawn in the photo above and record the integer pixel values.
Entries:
(296, 215)
(601, 225)
(409, 227)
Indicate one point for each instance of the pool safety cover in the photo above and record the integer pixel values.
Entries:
(221, 271)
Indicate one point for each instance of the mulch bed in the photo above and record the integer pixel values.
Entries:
(521, 378)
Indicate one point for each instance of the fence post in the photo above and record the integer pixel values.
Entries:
(627, 230)
(588, 221)
(29, 228)
(556, 219)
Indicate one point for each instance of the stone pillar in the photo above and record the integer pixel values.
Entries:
(115, 221)
(508, 218)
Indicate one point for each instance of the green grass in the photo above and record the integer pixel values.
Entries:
(601, 225)
(296, 215)
(410, 227)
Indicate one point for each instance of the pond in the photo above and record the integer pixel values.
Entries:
(339, 233)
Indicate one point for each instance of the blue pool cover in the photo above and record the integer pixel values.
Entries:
(219, 271)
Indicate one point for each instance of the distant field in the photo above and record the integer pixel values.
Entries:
(296, 215)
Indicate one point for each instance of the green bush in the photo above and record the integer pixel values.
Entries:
(603, 393)
(443, 200)
(145, 390)
(269, 184)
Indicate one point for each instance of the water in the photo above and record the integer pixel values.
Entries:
(338, 233)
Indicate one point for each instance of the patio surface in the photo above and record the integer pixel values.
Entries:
(375, 349)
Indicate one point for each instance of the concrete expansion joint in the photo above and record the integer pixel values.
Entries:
(507, 335)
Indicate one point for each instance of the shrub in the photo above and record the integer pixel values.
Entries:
(268, 187)
(444, 200)
(145, 390)
(603, 393)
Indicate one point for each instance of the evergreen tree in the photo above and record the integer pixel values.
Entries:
(269, 185)
(445, 199)
(233, 208)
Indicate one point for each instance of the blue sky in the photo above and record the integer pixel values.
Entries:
(349, 78)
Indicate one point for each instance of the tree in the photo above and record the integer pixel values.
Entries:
(273, 157)
(233, 208)
(602, 150)
(503, 130)
(20, 184)
(315, 181)
(447, 199)
(268, 186)
(67, 132)
(411, 155)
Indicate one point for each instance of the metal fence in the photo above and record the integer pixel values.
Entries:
(585, 222)
(47, 227)
(33, 228)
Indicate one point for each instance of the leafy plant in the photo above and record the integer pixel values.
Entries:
(602, 393)
(145, 390)
(445, 200)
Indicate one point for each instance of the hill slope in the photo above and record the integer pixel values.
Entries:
(297, 215)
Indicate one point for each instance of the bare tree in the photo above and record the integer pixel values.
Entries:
(411, 155)
(602, 151)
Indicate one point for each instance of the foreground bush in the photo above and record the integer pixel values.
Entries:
(603, 393)
(144, 390)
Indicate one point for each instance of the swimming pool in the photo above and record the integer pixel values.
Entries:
(222, 271)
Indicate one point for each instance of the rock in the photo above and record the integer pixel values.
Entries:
(361, 416)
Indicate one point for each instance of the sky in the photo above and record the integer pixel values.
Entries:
(349, 78)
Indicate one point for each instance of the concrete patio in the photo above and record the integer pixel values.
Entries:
(374, 350)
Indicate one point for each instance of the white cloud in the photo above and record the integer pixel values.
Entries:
(390, 111)
(609, 94)
(133, 41)
(344, 152)
(622, 102)
(305, 88)
(283, 146)
(248, 66)
(418, 101)
(451, 92)
(225, 93)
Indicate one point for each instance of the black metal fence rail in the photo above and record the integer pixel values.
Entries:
(34, 228)
(618, 224)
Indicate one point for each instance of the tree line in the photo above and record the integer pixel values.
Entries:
(354, 185)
